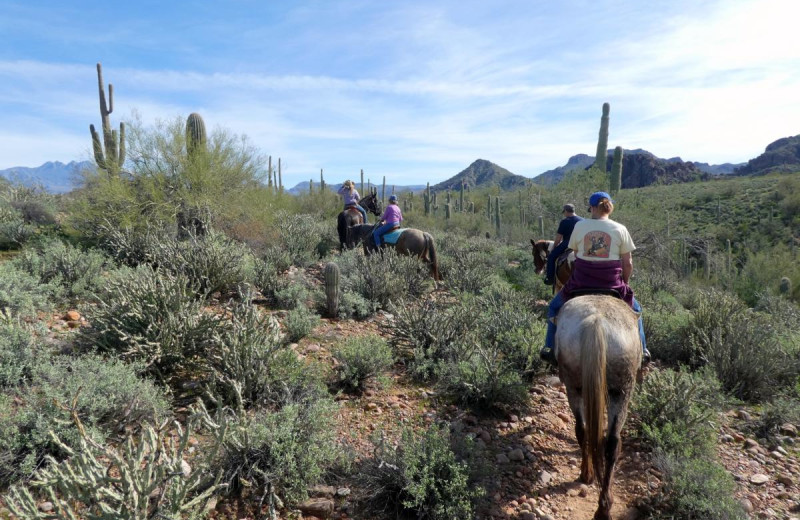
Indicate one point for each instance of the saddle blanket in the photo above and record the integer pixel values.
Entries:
(392, 236)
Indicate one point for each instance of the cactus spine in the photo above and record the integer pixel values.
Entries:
(616, 171)
(113, 157)
(602, 141)
(332, 288)
(195, 133)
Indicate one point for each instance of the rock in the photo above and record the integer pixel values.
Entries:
(527, 515)
(513, 418)
(485, 436)
(545, 477)
(321, 507)
(72, 316)
(583, 490)
(312, 348)
(45, 507)
(564, 417)
(726, 438)
(747, 505)
(552, 381)
(516, 455)
(750, 443)
(759, 479)
(502, 459)
(743, 415)
(789, 430)
(784, 479)
(738, 437)
(371, 407)
(186, 469)
(321, 491)
(343, 492)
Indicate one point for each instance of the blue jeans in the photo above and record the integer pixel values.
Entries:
(382, 230)
(552, 257)
(555, 305)
(360, 209)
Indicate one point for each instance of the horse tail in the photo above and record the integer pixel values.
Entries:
(430, 245)
(594, 345)
(341, 227)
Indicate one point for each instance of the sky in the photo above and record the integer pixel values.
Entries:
(413, 90)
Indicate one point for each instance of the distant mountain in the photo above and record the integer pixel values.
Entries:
(302, 187)
(639, 168)
(782, 155)
(718, 169)
(483, 173)
(56, 177)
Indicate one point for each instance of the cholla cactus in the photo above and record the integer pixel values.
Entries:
(332, 291)
(113, 157)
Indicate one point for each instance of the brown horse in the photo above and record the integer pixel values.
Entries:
(412, 242)
(540, 250)
(599, 354)
(352, 217)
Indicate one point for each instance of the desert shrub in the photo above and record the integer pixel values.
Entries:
(675, 409)
(22, 295)
(130, 246)
(353, 305)
(743, 347)
(14, 231)
(360, 359)
(77, 271)
(152, 317)
(385, 277)
(269, 279)
(284, 451)
(781, 410)
(421, 476)
(465, 270)
(17, 352)
(481, 377)
(696, 488)
(107, 395)
(664, 330)
(292, 296)
(300, 322)
(422, 332)
(303, 237)
(145, 477)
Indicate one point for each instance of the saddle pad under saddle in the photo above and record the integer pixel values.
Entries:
(392, 236)
(564, 256)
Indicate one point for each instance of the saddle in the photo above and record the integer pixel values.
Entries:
(563, 257)
(392, 236)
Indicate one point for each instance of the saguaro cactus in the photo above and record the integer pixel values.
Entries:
(447, 211)
(112, 158)
(195, 133)
(461, 198)
(280, 176)
(321, 182)
(383, 190)
(489, 208)
(332, 289)
(362, 180)
(602, 141)
(616, 171)
(269, 173)
(497, 214)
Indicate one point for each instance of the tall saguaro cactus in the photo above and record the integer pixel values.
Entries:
(332, 291)
(195, 133)
(602, 141)
(112, 157)
(616, 171)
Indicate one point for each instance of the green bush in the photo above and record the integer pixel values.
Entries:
(152, 317)
(287, 450)
(781, 410)
(300, 322)
(303, 237)
(360, 359)
(22, 295)
(675, 410)
(421, 476)
(353, 305)
(78, 272)
(665, 333)
(17, 352)
(696, 488)
(383, 278)
(292, 296)
(108, 397)
(145, 477)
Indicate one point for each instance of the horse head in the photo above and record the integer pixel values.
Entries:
(540, 249)
(372, 203)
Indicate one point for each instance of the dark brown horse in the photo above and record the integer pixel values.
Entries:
(599, 354)
(541, 250)
(352, 217)
(412, 242)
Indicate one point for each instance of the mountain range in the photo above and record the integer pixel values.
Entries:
(639, 168)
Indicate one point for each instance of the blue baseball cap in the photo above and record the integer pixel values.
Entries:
(392, 198)
(596, 197)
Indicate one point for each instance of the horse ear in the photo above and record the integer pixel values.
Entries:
(533, 243)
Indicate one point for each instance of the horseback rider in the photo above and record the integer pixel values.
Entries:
(603, 261)
(351, 198)
(391, 218)
(561, 242)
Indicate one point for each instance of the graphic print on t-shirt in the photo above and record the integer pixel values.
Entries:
(597, 244)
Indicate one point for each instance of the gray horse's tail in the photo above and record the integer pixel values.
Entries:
(430, 245)
(593, 367)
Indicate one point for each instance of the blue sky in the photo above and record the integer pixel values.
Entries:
(414, 90)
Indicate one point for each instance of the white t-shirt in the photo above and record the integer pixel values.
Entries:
(598, 240)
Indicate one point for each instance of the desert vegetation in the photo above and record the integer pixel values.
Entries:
(179, 337)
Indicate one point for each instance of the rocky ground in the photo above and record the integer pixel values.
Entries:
(529, 456)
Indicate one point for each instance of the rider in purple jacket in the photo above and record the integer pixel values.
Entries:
(391, 218)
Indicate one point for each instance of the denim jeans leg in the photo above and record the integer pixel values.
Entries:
(552, 311)
(363, 212)
(638, 308)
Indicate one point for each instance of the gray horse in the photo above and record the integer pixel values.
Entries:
(412, 242)
(599, 354)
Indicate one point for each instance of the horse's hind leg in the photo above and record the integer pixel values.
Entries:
(617, 412)
(576, 405)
